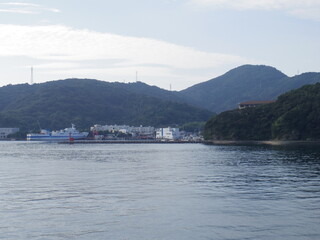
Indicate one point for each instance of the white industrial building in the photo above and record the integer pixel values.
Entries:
(4, 132)
(168, 133)
(124, 129)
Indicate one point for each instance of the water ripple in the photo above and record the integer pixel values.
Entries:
(53, 191)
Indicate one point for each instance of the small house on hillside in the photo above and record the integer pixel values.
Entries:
(253, 104)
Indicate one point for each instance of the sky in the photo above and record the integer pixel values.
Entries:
(167, 43)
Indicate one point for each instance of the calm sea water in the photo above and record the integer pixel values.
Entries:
(188, 191)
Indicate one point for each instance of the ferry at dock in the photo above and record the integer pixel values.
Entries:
(62, 135)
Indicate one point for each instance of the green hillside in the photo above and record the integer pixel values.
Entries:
(152, 91)
(245, 83)
(294, 116)
(84, 102)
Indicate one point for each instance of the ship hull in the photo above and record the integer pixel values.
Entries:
(36, 137)
(62, 135)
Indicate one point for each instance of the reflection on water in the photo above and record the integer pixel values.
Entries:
(190, 191)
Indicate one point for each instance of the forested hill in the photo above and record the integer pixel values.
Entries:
(84, 102)
(245, 83)
(294, 116)
(152, 91)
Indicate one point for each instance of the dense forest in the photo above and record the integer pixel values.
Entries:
(57, 104)
(294, 116)
(244, 83)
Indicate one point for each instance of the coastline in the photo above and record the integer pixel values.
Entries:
(127, 142)
(268, 142)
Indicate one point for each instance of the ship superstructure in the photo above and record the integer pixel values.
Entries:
(61, 135)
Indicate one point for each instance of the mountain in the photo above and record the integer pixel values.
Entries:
(245, 83)
(294, 116)
(152, 91)
(85, 102)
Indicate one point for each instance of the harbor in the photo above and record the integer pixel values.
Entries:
(116, 134)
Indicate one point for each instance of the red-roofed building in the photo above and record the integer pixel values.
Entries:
(253, 104)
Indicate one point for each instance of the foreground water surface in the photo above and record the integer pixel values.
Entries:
(158, 191)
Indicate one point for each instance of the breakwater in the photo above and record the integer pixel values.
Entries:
(127, 142)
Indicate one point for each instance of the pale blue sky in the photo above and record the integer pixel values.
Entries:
(177, 42)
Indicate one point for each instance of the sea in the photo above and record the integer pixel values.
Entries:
(51, 191)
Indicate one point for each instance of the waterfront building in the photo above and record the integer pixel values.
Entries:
(4, 132)
(134, 131)
(168, 133)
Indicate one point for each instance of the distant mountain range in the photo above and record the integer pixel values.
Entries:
(85, 102)
(244, 83)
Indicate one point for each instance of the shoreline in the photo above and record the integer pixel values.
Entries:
(128, 142)
(206, 142)
(267, 142)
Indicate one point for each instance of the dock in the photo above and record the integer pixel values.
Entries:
(128, 142)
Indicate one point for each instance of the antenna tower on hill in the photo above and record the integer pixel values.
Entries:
(31, 78)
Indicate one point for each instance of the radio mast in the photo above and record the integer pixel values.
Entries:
(31, 78)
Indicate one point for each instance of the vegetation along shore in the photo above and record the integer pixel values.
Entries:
(294, 116)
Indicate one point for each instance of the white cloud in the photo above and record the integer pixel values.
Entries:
(17, 11)
(21, 4)
(25, 8)
(58, 42)
(78, 51)
(309, 9)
